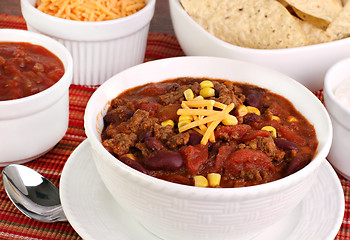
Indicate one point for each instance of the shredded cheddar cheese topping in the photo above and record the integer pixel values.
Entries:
(90, 10)
(205, 118)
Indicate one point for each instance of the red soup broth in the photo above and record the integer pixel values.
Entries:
(27, 69)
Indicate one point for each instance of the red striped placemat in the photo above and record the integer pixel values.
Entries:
(14, 225)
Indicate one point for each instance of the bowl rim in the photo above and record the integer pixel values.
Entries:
(63, 82)
(314, 47)
(227, 192)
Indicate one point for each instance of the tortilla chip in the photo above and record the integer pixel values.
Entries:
(317, 22)
(200, 12)
(257, 24)
(283, 2)
(318, 12)
(314, 34)
(203, 8)
(340, 27)
(250, 23)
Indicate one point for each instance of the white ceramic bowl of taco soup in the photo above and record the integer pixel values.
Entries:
(175, 211)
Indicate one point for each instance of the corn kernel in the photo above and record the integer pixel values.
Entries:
(199, 98)
(188, 93)
(182, 123)
(271, 129)
(207, 92)
(187, 118)
(206, 83)
(167, 122)
(200, 181)
(230, 120)
(214, 179)
(275, 118)
(292, 119)
(241, 110)
(253, 110)
(129, 155)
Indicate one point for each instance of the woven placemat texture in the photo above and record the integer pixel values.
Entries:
(14, 225)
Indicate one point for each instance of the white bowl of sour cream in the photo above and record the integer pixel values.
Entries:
(337, 101)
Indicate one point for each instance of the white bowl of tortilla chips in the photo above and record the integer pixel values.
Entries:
(299, 38)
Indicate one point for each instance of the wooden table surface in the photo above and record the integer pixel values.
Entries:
(161, 22)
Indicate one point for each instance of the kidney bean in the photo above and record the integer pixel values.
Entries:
(144, 135)
(217, 93)
(154, 144)
(253, 98)
(284, 144)
(296, 164)
(133, 164)
(111, 116)
(195, 138)
(251, 118)
(164, 160)
(215, 146)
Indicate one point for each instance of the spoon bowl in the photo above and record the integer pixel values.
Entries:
(32, 194)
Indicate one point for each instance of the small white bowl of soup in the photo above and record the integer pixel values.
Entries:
(238, 210)
(101, 46)
(35, 74)
(337, 101)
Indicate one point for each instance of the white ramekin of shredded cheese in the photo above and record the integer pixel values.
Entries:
(337, 101)
(100, 49)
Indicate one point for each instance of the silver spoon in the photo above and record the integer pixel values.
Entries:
(32, 194)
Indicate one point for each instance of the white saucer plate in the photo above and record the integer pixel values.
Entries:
(94, 214)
